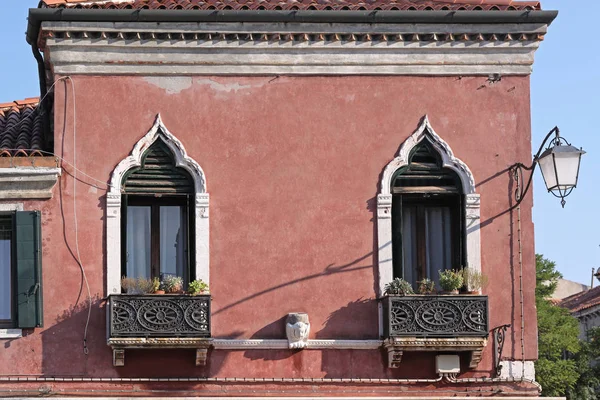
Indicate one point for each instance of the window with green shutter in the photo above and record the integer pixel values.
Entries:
(20, 270)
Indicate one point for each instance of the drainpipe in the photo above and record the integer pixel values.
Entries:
(43, 88)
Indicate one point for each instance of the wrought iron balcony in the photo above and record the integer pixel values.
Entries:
(435, 323)
(439, 316)
(158, 321)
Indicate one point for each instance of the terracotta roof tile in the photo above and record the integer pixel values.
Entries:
(582, 300)
(299, 4)
(21, 131)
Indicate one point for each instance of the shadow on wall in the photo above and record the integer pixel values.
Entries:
(63, 347)
(331, 269)
(514, 289)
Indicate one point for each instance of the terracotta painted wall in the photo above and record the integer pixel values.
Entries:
(292, 166)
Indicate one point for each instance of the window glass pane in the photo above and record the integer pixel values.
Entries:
(138, 242)
(5, 270)
(409, 243)
(438, 241)
(172, 241)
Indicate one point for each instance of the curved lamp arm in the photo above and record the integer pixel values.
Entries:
(517, 168)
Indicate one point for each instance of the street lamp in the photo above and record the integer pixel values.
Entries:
(559, 164)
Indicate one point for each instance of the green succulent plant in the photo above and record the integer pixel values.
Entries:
(198, 286)
(399, 287)
(451, 280)
(172, 284)
(426, 286)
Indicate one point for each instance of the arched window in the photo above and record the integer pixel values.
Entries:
(157, 213)
(156, 219)
(427, 216)
(427, 211)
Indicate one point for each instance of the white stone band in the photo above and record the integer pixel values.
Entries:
(293, 48)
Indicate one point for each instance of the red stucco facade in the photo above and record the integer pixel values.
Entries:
(292, 167)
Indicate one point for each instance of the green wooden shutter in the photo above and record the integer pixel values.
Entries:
(29, 269)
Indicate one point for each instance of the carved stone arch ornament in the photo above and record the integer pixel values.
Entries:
(384, 201)
(113, 204)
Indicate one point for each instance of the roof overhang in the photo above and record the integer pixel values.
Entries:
(39, 15)
(260, 42)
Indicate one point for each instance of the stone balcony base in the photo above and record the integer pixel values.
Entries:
(396, 346)
(119, 345)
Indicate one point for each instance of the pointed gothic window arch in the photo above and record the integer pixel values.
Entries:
(158, 168)
(426, 168)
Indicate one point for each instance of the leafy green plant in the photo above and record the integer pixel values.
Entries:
(172, 284)
(198, 286)
(451, 280)
(474, 280)
(155, 284)
(426, 286)
(399, 287)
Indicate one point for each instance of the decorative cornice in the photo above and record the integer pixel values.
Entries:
(282, 344)
(159, 342)
(278, 48)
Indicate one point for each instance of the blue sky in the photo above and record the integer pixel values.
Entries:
(564, 91)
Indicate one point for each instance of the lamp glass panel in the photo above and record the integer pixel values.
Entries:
(567, 166)
(547, 168)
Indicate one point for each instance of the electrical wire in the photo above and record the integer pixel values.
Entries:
(62, 78)
(452, 379)
(518, 176)
(75, 223)
(63, 160)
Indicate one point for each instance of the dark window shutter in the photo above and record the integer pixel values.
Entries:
(158, 174)
(29, 269)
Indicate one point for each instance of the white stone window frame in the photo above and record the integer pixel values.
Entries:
(113, 204)
(384, 202)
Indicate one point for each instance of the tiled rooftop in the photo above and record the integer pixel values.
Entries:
(506, 5)
(582, 300)
(21, 130)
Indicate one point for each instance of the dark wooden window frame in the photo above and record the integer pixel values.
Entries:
(423, 183)
(155, 201)
(9, 219)
(422, 201)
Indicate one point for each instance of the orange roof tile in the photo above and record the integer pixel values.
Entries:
(21, 130)
(300, 4)
(582, 300)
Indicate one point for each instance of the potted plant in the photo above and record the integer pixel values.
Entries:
(451, 281)
(474, 280)
(157, 286)
(137, 286)
(172, 284)
(197, 286)
(426, 286)
(399, 287)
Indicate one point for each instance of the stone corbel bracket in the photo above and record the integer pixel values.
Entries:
(119, 345)
(395, 347)
(28, 182)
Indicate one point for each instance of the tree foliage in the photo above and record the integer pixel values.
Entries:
(565, 363)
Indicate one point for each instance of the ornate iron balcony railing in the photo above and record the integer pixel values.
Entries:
(435, 316)
(159, 316)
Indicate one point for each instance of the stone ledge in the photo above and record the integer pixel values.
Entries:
(119, 345)
(398, 345)
(11, 333)
(28, 182)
